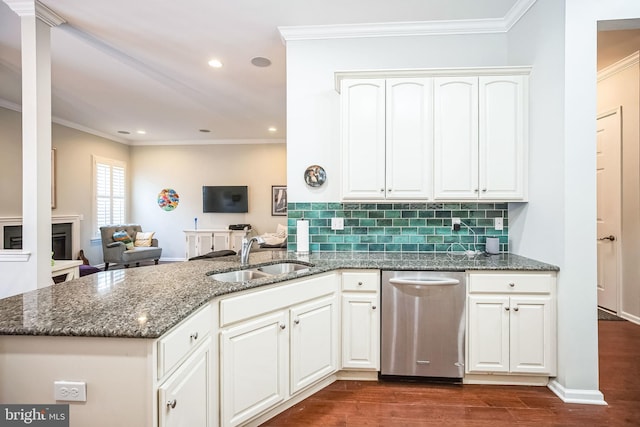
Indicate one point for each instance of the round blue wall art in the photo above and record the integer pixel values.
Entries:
(168, 199)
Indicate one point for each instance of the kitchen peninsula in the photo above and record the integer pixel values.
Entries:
(147, 340)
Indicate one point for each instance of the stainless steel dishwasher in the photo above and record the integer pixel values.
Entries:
(423, 325)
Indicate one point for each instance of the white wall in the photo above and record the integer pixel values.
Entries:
(623, 89)
(186, 169)
(313, 125)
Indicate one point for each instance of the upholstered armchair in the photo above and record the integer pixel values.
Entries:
(126, 243)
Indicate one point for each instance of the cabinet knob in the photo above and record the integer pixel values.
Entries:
(373, 307)
(389, 190)
(382, 190)
(172, 403)
(515, 308)
(359, 283)
(194, 336)
(507, 308)
(475, 190)
(484, 190)
(297, 321)
(283, 326)
(512, 284)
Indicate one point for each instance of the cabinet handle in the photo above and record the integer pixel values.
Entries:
(512, 284)
(515, 309)
(194, 336)
(507, 308)
(282, 326)
(297, 321)
(171, 404)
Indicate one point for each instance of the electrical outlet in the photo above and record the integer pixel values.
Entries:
(455, 224)
(497, 223)
(70, 391)
(337, 223)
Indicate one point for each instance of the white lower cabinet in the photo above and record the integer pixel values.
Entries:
(361, 320)
(278, 342)
(185, 399)
(511, 326)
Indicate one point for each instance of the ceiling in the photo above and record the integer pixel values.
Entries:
(124, 66)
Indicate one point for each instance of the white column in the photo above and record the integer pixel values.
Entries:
(36, 22)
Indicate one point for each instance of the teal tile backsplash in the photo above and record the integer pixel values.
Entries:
(398, 227)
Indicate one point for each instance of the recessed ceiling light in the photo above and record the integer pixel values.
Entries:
(272, 129)
(260, 61)
(124, 132)
(205, 130)
(141, 132)
(215, 63)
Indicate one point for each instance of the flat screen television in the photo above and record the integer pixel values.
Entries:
(225, 199)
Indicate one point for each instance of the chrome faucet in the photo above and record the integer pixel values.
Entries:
(246, 248)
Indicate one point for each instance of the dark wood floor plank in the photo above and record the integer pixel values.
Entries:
(393, 404)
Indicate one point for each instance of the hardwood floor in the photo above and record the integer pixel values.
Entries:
(371, 403)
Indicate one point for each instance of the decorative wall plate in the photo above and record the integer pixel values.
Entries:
(315, 176)
(168, 199)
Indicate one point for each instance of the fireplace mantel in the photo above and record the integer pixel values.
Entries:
(74, 220)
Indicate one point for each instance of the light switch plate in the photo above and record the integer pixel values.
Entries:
(337, 223)
(497, 223)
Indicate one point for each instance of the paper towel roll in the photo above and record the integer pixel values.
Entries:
(302, 236)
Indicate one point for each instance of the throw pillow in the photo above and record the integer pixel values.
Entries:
(281, 231)
(144, 239)
(123, 236)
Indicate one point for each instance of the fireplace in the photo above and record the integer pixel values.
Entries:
(65, 235)
(61, 239)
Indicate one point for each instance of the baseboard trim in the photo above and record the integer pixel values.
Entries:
(584, 397)
(630, 317)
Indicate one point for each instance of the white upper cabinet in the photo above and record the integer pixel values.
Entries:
(502, 137)
(480, 138)
(387, 139)
(456, 137)
(363, 139)
(409, 141)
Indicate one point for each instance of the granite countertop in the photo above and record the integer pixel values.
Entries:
(145, 302)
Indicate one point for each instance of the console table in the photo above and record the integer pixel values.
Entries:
(68, 267)
(203, 241)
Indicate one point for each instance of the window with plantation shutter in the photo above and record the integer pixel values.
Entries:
(109, 192)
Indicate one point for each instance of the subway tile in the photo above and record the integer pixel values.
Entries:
(410, 247)
(409, 214)
(400, 222)
(376, 214)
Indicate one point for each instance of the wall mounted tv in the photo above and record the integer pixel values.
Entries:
(225, 199)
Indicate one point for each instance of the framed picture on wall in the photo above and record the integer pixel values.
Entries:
(278, 200)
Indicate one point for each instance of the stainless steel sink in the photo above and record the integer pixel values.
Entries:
(283, 268)
(238, 276)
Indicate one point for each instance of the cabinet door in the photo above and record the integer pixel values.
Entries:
(314, 342)
(409, 138)
(360, 331)
(363, 138)
(236, 240)
(220, 241)
(253, 368)
(455, 125)
(502, 137)
(185, 399)
(532, 336)
(205, 243)
(488, 334)
(192, 245)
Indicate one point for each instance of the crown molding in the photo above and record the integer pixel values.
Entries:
(417, 28)
(210, 142)
(37, 9)
(621, 65)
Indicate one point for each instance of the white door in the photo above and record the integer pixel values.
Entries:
(409, 141)
(488, 333)
(455, 111)
(253, 369)
(360, 331)
(314, 342)
(609, 205)
(502, 137)
(363, 138)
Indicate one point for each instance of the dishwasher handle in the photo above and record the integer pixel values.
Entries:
(425, 282)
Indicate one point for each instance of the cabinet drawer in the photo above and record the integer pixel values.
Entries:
(533, 283)
(175, 345)
(368, 281)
